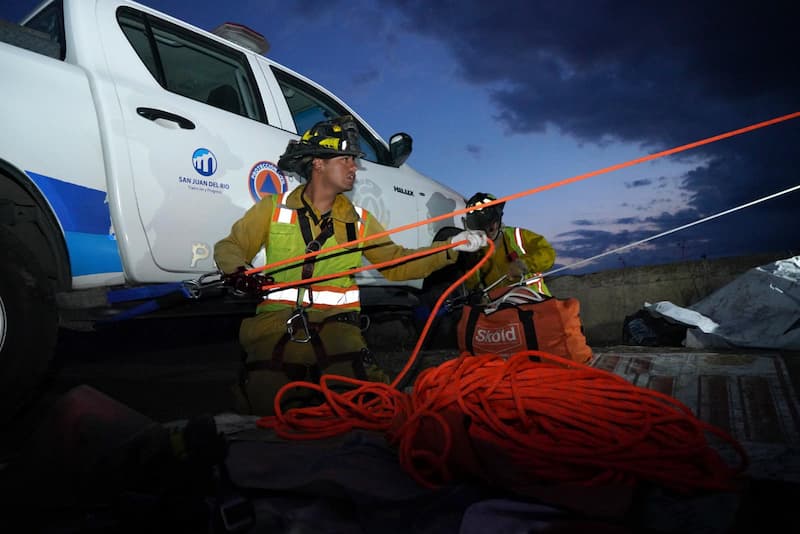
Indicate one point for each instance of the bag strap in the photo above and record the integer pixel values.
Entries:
(528, 325)
(469, 333)
(313, 244)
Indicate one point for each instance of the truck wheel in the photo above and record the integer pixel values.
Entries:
(28, 325)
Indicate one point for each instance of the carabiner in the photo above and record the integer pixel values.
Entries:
(300, 314)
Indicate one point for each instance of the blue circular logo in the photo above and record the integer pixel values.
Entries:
(266, 179)
(204, 161)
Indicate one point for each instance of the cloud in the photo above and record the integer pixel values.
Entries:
(474, 150)
(716, 237)
(637, 72)
(365, 77)
(638, 183)
(654, 74)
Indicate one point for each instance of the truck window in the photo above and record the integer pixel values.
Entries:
(193, 66)
(309, 106)
(50, 21)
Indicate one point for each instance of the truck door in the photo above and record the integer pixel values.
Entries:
(196, 121)
(395, 195)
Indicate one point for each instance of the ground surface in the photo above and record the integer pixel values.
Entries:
(169, 370)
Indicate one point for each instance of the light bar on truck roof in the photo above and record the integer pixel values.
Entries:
(243, 36)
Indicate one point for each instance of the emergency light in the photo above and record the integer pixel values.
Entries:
(243, 36)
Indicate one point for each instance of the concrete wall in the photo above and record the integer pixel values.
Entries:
(607, 297)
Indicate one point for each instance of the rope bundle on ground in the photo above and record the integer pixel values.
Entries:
(518, 421)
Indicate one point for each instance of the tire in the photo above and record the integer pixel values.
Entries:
(28, 325)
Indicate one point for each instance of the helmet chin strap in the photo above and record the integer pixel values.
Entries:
(496, 233)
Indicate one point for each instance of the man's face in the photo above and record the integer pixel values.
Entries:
(338, 172)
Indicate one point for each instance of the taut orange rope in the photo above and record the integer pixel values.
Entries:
(552, 185)
(381, 265)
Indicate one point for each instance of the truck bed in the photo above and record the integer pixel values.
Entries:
(751, 394)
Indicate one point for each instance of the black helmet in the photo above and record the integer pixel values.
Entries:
(326, 139)
(481, 219)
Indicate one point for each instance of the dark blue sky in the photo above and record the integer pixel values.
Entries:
(507, 96)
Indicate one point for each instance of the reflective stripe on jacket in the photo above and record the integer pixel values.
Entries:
(253, 231)
(532, 248)
(517, 244)
(286, 241)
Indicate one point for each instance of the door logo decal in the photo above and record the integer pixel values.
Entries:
(266, 179)
(369, 196)
(200, 251)
(204, 161)
(404, 191)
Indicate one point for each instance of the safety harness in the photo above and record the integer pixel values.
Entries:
(299, 329)
(512, 237)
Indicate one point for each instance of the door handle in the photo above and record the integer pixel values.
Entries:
(153, 114)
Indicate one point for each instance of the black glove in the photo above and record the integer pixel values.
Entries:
(246, 284)
(476, 297)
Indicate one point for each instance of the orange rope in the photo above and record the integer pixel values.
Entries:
(533, 422)
(439, 302)
(381, 265)
(549, 421)
(553, 185)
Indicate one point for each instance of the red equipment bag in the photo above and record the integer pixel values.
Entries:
(523, 319)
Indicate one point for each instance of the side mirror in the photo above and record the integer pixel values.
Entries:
(400, 148)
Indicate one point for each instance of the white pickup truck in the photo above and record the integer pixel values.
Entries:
(130, 143)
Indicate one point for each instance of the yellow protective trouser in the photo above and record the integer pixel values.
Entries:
(272, 362)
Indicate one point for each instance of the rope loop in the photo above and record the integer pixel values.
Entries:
(505, 421)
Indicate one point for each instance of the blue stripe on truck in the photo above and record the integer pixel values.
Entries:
(92, 254)
(84, 216)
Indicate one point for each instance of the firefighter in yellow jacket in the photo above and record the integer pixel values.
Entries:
(518, 252)
(300, 333)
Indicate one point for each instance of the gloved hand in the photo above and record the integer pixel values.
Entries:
(476, 240)
(246, 284)
(516, 269)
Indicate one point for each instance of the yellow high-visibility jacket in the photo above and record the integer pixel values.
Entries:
(532, 248)
(272, 223)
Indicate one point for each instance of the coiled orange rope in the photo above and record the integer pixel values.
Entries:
(537, 421)
(546, 421)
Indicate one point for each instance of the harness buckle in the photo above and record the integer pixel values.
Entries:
(295, 331)
(313, 246)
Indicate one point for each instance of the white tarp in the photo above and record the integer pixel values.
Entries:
(759, 309)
